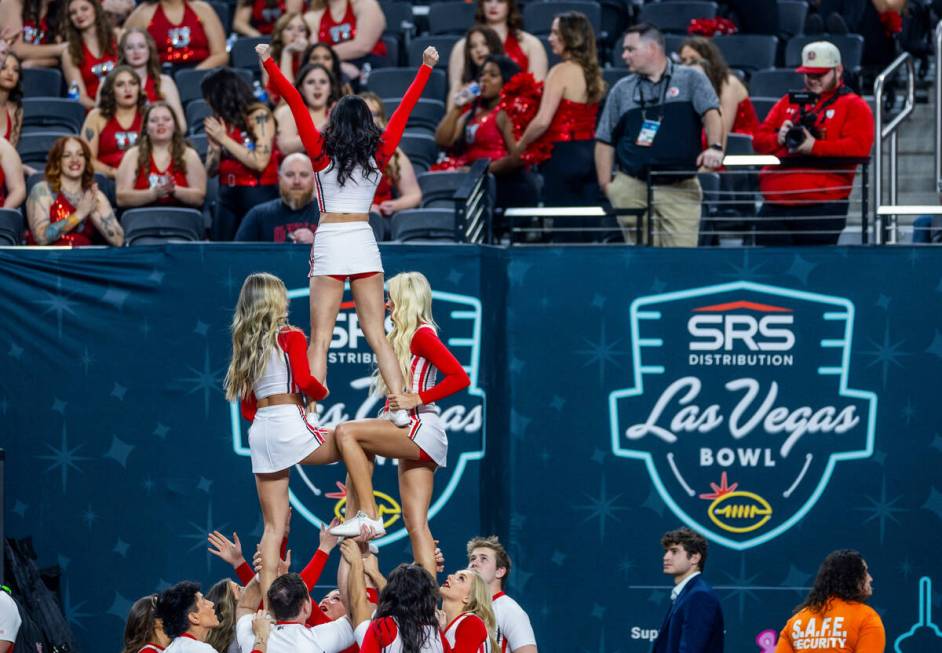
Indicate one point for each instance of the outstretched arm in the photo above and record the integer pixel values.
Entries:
(397, 123)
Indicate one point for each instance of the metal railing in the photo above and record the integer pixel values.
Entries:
(937, 109)
(473, 204)
(891, 131)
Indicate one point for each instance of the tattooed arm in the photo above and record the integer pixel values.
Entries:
(104, 219)
(37, 213)
(258, 158)
(91, 130)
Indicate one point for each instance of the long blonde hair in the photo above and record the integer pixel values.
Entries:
(479, 603)
(261, 311)
(411, 296)
(224, 598)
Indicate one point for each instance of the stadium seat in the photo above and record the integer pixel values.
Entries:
(399, 19)
(444, 44)
(551, 57)
(763, 105)
(748, 51)
(188, 81)
(613, 75)
(615, 19)
(421, 149)
(775, 82)
(379, 225)
(450, 18)
(11, 227)
(423, 225)
(242, 55)
(200, 143)
(850, 45)
(196, 112)
(152, 225)
(676, 16)
(393, 82)
(393, 54)
(224, 11)
(42, 82)
(426, 114)
(50, 113)
(538, 16)
(791, 17)
(34, 146)
(438, 188)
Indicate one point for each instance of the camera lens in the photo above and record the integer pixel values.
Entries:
(794, 137)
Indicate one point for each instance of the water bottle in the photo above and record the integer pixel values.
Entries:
(259, 92)
(231, 41)
(467, 94)
(365, 74)
(74, 92)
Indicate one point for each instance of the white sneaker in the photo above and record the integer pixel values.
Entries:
(399, 417)
(351, 527)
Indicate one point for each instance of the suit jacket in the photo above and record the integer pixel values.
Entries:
(694, 623)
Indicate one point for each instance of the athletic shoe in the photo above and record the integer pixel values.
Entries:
(399, 417)
(351, 527)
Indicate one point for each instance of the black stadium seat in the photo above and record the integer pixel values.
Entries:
(748, 51)
(188, 81)
(421, 149)
(538, 16)
(393, 54)
(393, 82)
(791, 17)
(153, 225)
(426, 114)
(438, 188)
(850, 45)
(763, 105)
(453, 17)
(551, 57)
(34, 146)
(444, 44)
(11, 227)
(399, 19)
(242, 55)
(676, 16)
(49, 113)
(200, 143)
(224, 11)
(775, 82)
(423, 225)
(196, 112)
(42, 82)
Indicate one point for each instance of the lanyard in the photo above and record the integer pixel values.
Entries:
(643, 103)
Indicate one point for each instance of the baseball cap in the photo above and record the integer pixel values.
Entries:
(819, 57)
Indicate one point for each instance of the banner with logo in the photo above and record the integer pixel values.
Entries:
(783, 403)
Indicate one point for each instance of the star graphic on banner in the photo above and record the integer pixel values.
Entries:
(58, 406)
(522, 576)
(796, 577)
(120, 607)
(601, 507)
(936, 346)
(598, 611)
(883, 301)
(557, 402)
(201, 328)
(654, 502)
(658, 286)
(73, 612)
(934, 502)
(908, 411)
(936, 442)
(657, 596)
(121, 548)
(517, 270)
(89, 516)
(118, 391)
(116, 297)
(58, 304)
(558, 558)
(156, 276)
(119, 451)
(205, 485)
(15, 350)
(742, 586)
(886, 353)
(148, 485)
(518, 424)
(20, 508)
(86, 360)
(454, 277)
(881, 509)
(199, 533)
(905, 568)
(747, 271)
(601, 352)
(517, 521)
(161, 431)
(626, 566)
(598, 456)
(801, 269)
(64, 458)
(598, 301)
(204, 380)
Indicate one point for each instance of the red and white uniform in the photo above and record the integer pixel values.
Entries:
(115, 139)
(290, 637)
(95, 69)
(185, 43)
(152, 177)
(467, 634)
(37, 34)
(333, 31)
(513, 624)
(382, 636)
(233, 172)
(265, 14)
(283, 435)
(150, 648)
(186, 643)
(10, 620)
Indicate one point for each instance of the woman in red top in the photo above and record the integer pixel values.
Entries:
(353, 28)
(161, 169)
(504, 17)
(67, 209)
(11, 99)
(92, 51)
(564, 126)
(259, 17)
(320, 92)
(188, 33)
(289, 40)
(12, 184)
(739, 116)
(113, 127)
(138, 50)
(469, 624)
(398, 176)
(142, 632)
(422, 445)
(33, 26)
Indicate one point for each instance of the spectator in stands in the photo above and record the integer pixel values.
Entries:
(144, 632)
(161, 169)
(66, 208)
(878, 21)
(293, 217)
(138, 50)
(12, 184)
(188, 618)
(259, 17)
(504, 17)
(754, 16)
(320, 91)
(289, 40)
(33, 26)
(567, 115)
(398, 190)
(92, 50)
(113, 127)
(241, 135)
(651, 123)
(736, 109)
(10, 621)
(353, 28)
(479, 43)
(807, 204)
(188, 33)
(324, 55)
(224, 595)
(11, 98)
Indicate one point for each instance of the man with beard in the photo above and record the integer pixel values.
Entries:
(291, 218)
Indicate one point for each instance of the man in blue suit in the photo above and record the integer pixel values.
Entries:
(694, 623)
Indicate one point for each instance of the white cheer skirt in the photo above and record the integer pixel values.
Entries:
(428, 431)
(281, 436)
(344, 248)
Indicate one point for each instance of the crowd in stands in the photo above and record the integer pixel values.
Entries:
(178, 113)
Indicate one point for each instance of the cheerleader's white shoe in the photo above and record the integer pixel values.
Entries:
(352, 527)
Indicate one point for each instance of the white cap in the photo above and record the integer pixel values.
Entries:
(819, 57)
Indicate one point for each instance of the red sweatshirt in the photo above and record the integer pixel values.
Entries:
(846, 130)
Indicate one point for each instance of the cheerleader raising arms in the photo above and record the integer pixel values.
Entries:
(348, 161)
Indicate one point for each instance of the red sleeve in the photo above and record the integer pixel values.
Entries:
(372, 595)
(425, 343)
(245, 573)
(765, 139)
(856, 136)
(397, 123)
(470, 635)
(293, 342)
(312, 572)
(248, 407)
(310, 137)
(317, 618)
(381, 633)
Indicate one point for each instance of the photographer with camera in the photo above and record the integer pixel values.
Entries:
(810, 131)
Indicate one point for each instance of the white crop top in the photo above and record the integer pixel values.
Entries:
(356, 194)
(276, 379)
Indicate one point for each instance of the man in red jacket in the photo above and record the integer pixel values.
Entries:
(805, 198)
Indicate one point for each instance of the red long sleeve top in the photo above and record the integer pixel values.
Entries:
(428, 350)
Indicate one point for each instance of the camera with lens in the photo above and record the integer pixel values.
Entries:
(807, 119)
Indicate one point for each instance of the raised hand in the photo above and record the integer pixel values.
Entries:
(430, 56)
(226, 549)
(263, 50)
(328, 541)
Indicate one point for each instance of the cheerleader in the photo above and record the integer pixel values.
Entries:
(469, 624)
(422, 446)
(143, 631)
(268, 374)
(348, 161)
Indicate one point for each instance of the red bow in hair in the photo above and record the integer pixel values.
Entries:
(711, 27)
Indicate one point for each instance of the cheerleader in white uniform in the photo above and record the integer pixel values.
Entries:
(348, 159)
(468, 624)
(422, 445)
(270, 376)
